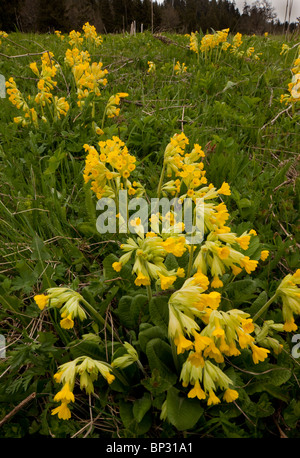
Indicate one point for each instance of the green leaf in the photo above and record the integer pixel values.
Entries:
(159, 311)
(141, 407)
(241, 290)
(182, 412)
(258, 303)
(151, 333)
(160, 357)
(133, 427)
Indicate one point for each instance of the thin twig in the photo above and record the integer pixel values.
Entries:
(276, 117)
(17, 408)
(23, 55)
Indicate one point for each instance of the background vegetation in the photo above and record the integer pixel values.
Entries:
(231, 106)
(113, 16)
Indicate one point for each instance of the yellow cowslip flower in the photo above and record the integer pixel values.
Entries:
(230, 395)
(65, 394)
(201, 279)
(235, 269)
(173, 153)
(111, 110)
(117, 266)
(264, 255)
(179, 68)
(197, 391)
(167, 281)
(289, 293)
(224, 189)
(213, 399)
(75, 38)
(243, 241)
(66, 322)
(248, 264)
(217, 257)
(182, 343)
(3, 35)
(42, 300)
(212, 351)
(258, 353)
(200, 342)
(216, 283)
(194, 45)
(59, 35)
(180, 272)
(63, 412)
(175, 245)
(218, 331)
(142, 279)
(152, 67)
(244, 339)
(34, 68)
(210, 300)
(225, 46)
(61, 106)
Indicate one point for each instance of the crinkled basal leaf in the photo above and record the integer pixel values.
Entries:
(182, 412)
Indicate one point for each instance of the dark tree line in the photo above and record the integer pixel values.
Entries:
(115, 16)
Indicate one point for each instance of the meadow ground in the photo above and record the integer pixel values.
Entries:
(225, 102)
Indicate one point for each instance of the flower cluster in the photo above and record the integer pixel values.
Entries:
(44, 97)
(91, 35)
(111, 109)
(223, 334)
(59, 35)
(219, 40)
(211, 41)
(151, 67)
(67, 300)
(194, 44)
(88, 370)
(294, 86)
(289, 292)
(109, 169)
(148, 254)
(179, 68)
(89, 76)
(3, 35)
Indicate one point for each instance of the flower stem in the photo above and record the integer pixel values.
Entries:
(96, 315)
(161, 180)
(174, 354)
(141, 367)
(149, 292)
(264, 307)
(190, 264)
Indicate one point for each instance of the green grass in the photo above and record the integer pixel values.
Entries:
(229, 106)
